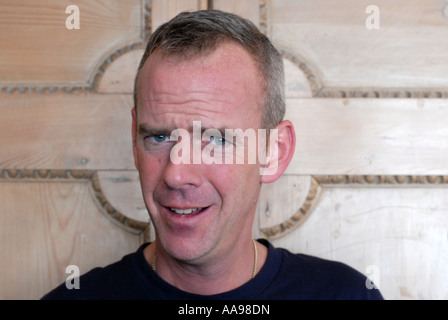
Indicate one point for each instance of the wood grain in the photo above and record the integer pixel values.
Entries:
(402, 231)
(249, 9)
(408, 51)
(65, 101)
(45, 227)
(122, 190)
(164, 10)
(38, 49)
(119, 76)
(369, 136)
(63, 131)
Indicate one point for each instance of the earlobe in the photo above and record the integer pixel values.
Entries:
(281, 148)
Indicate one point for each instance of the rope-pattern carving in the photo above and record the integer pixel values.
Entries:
(98, 74)
(90, 176)
(317, 182)
(263, 17)
(276, 231)
(298, 217)
(381, 180)
(381, 93)
(310, 74)
(319, 91)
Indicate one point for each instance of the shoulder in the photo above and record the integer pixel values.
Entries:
(109, 282)
(311, 277)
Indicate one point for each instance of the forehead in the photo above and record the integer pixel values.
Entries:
(228, 79)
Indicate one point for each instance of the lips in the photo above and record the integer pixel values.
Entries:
(186, 211)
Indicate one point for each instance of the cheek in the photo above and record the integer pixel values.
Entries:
(150, 168)
(237, 184)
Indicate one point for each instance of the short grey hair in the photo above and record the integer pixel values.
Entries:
(199, 33)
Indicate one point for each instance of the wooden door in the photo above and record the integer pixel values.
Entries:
(367, 91)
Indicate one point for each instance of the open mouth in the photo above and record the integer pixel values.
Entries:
(187, 212)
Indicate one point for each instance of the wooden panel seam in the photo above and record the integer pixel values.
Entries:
(315, 81)
(100, 70)
(312, 74)
(90, 176)
(360, 181)
(319, 91)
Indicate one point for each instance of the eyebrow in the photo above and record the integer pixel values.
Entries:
(146, 130)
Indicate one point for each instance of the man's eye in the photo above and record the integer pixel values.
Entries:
(218, 141)
(159, 138)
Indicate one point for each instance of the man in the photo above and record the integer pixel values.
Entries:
(207, 80)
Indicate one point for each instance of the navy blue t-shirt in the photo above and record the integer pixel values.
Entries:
(284, 276)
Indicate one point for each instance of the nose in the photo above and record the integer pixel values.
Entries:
(182, 175)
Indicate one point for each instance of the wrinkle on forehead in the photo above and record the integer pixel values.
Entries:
(191, 98)
(190, 109)
(227, 78)
(196, 113)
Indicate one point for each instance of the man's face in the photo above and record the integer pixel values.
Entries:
(199, 210)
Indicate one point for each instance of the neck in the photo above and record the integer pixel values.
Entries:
(210, 276)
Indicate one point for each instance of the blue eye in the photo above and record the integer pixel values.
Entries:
(160, 138)
(218, 140)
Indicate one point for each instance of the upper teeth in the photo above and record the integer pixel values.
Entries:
(184, 211)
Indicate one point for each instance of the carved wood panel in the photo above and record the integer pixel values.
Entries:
(367, 185)
(65, 101)
(51, 219)
(42, 55)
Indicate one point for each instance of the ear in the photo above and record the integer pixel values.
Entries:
(134, 136)
(282, 142)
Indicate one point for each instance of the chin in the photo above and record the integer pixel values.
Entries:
(188, 250)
